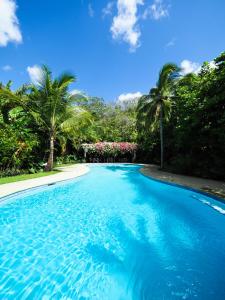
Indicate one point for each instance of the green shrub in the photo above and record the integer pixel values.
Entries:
(67, 159)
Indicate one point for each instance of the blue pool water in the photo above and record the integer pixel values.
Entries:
(112, 234)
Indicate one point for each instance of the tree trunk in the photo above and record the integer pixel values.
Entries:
(49, 165)
(161, 135)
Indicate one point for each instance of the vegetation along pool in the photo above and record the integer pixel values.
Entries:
(112, 234)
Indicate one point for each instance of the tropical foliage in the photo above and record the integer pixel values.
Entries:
(43, 120)
(52, 108)
(180, 123)
(155, 108)
(111, 122)
(194, 137)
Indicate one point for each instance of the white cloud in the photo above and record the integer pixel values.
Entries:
(212, 64)
(156, 11)
(35, 73)
(171, 43)
(7, 68)
(108, 9)
(129, 98)
(78, 93)
(188, 66)
(124, 26)
(91, 10)
(9, 24)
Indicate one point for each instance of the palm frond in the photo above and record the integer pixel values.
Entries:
(6, 94)
(143, 103)
(64, 80)
(166, 74)
(9, 84)
(45, 80)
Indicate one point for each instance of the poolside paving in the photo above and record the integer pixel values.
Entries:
(68, 172)
(213, 187)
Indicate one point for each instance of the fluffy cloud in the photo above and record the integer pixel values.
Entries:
(91, 10)
(35, 73)
(9, 24)
(212, 64)
(124, 26)
(171, 43)
(128, 99)
(188, 66)
(79, 94)
(7, 68)
(108, 9)
(156, 11)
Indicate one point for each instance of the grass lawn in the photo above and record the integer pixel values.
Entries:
(25, 177)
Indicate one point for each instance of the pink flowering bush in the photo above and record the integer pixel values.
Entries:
(107, 149)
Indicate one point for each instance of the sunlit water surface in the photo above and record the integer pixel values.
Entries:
(112, 234)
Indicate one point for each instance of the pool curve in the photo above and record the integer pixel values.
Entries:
(112, 234)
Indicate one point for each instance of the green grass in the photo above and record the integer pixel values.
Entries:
(25, 177)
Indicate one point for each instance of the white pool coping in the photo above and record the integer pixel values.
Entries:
(73, 171)
(68, 172)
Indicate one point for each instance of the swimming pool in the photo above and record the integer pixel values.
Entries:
(112, 234)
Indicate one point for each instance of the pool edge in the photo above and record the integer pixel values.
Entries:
(196, 190)
(85, 171)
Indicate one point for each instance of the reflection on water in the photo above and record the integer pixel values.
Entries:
(113, 234)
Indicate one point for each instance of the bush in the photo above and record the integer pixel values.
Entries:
(16, 148)
(11, 172)
(67, 159)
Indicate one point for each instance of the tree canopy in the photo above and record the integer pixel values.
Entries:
(42, 121)
(194, 137)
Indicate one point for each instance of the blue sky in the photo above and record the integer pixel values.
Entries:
(114, 47)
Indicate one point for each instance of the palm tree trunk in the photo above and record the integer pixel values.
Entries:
(49, 165)
(161, 135)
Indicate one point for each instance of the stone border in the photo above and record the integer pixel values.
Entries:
(68, 172)
(206, 186)
(212, 188)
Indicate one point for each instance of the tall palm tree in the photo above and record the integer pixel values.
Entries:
(156, 106)
(50, 103)
(51, 106)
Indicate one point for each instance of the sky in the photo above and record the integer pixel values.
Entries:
(114, 47)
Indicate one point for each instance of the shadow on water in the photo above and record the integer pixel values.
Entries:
(178, 217)
(171, 200)
(104, 255)
(173, 265)
(125, 168)
(138, 262)
(150, 242)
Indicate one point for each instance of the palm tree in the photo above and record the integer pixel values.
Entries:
(156, 106)
(50, 104)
